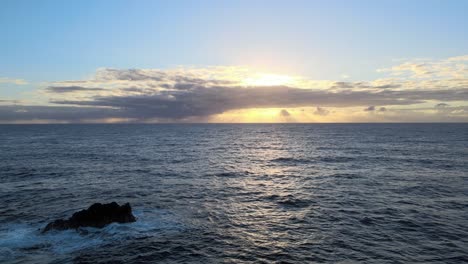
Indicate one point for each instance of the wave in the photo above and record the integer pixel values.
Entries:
(290, 160)
(289, 201)
(336, 159)
(20, 240)
(227, 174)
(324, 159)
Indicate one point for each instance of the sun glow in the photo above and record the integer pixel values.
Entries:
(263, 79)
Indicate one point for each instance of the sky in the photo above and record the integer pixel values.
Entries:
(233, 61)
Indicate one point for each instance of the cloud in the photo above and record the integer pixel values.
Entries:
(454, 67)
(13, 81)
(201, 100)
(458, 58)
(143, 95)
(9, 101)
(370, 108)
(364, 85)
(441, 105)
(443, 108)
(284, 113)
(54, 113)
(70, 89)
(373, 108)
(321, 111)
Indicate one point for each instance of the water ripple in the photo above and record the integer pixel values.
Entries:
(238, 193)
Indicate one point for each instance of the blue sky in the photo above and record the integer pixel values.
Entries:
(44, 40)
(50, 41)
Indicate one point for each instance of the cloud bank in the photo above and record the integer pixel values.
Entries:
(12, 81)
(146, 95)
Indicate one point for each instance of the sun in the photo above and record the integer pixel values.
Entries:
(264, 79)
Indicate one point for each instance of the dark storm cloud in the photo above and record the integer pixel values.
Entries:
(203, 101)
(58, 113)
(144, 95)
(69, 89)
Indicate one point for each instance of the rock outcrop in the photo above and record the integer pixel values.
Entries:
(97, 215)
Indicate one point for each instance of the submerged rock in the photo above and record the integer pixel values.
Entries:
(97, 215)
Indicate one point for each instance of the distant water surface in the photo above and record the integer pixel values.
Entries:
(270, 193)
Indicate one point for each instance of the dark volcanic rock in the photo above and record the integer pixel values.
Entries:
(97, 215)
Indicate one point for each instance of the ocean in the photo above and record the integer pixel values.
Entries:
(238, 193)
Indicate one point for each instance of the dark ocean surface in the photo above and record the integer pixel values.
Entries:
(270, 193)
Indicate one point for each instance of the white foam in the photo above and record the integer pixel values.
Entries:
(17, 240)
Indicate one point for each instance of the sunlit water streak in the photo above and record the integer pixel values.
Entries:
(386, 193)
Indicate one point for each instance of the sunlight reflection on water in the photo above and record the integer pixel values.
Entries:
(239, 193)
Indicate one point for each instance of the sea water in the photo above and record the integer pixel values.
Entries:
(232, 193)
